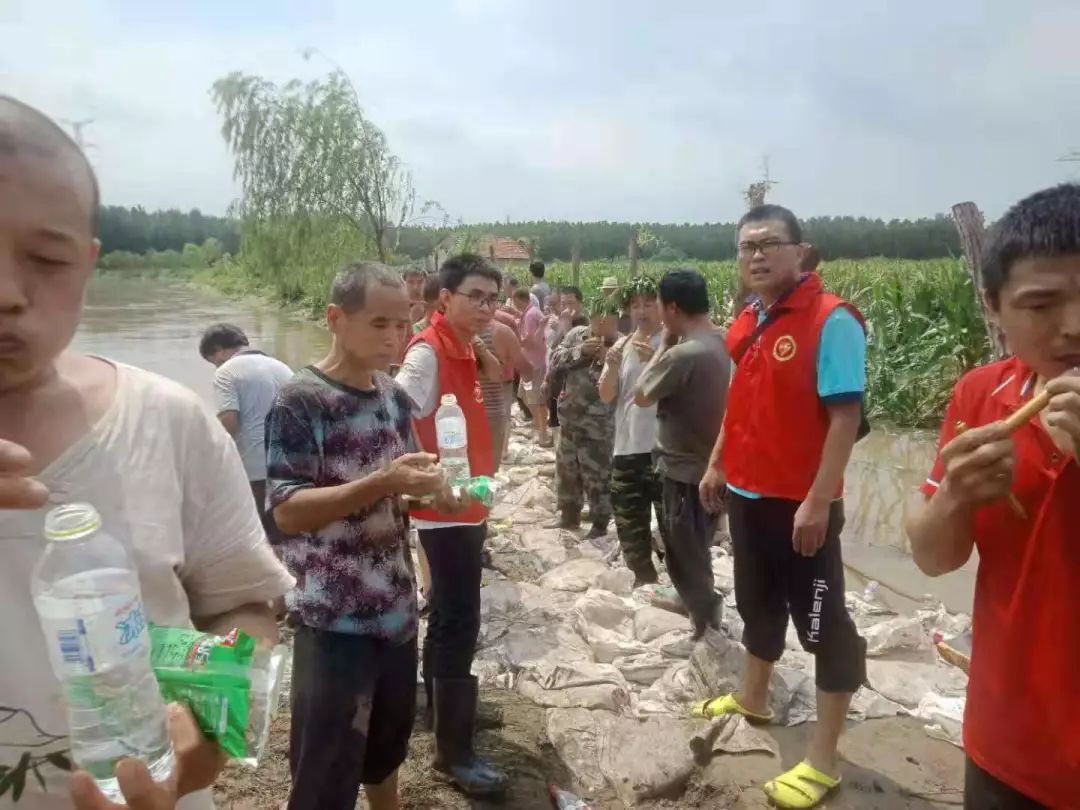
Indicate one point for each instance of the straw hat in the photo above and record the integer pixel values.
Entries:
(609, 283)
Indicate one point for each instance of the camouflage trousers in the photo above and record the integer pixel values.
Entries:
(583, 469)
(635, 493)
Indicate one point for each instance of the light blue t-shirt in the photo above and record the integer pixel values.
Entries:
(841, 364)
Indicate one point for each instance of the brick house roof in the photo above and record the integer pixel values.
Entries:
(500, 248)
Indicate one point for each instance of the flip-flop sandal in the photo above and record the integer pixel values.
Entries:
(803, 787)
(728, 704)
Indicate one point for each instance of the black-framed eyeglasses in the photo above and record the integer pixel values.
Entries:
(481, 300)
(748, 249)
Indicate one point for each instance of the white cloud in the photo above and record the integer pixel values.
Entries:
(554, 108)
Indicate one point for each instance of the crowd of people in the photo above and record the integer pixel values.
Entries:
(658, 410)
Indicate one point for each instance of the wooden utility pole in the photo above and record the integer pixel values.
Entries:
(632, 250)
(970, 224)
(575, 265)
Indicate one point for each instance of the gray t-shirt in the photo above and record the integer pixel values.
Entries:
(635, 428)
(541, 290)
(689, 386)
(247, 383)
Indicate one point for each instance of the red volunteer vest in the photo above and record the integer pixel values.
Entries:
(775, 427)
(457, 376)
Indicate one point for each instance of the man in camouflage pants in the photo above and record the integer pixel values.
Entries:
(635, 486)
(583, 455)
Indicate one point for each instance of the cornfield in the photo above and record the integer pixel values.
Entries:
(925, 327)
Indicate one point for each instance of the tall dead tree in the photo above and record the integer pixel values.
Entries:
(635, 254)
(970, 224)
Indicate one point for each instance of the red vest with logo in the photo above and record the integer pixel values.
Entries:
(776, 424)
(457, 376)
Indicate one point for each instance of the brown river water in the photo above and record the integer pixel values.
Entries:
(156, 325)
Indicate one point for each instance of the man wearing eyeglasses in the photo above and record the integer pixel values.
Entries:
(793, 416)
(448, 357)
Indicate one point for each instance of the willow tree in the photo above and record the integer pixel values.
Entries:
(308, 150)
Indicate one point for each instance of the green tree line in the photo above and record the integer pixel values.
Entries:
(136, 230)
(835, 237)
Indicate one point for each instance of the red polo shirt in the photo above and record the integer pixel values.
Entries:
(1022, 723)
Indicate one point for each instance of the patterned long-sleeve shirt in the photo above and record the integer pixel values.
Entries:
(353, 575)
(580, 378)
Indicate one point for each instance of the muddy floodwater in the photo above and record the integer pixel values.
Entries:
(156, 325)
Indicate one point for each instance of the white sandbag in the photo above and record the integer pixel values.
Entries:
(730, 734)
(521, 647)
(664, 597)
(792, 696)
(944, 717)
(645, 758)
(617, 580)
(671, 693)
(546, 545)
(643, 669)
(723, 568)
(604, 609)
(651, 623)
(574, 575)
(607, 645)
(907, 682)
(869, 705)
(579, 684)
(716, 665)
(575, 737)
(678, 644)
(602, 749)
(899, 633)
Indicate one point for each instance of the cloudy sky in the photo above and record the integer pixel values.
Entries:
(588, 109)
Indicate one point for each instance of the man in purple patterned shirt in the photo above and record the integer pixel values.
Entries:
(338, 440)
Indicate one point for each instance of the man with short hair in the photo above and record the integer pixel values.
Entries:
(431, 304)
(161, 471)
(583, 454)
(687, 380)
(540, 288)
(338, 442)
(793, 416)
(442, 361)
(635, 487)
(1010, 492)
(415, 279)
(245, 385)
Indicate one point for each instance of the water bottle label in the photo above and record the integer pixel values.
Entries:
(111, 635)
(452, 438)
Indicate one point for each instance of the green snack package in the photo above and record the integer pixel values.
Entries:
(230, 686)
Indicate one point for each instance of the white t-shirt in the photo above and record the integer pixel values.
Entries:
(247, 383)
(419, 376)
(169, 484)
(635, 428)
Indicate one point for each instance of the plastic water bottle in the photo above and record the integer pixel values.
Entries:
(453, 437)
(86, 591)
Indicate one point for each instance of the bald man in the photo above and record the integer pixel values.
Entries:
(162, 472)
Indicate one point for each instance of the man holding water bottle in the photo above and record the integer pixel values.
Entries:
(446, 358)
(162, 472)
(339, 437)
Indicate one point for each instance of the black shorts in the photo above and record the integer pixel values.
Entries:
(772, 581)
(983, 791)
(353, 706)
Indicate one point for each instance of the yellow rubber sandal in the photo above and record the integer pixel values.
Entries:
(728, 704)
(802, 787)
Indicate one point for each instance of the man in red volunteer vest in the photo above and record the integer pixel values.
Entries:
(446, 358)
(793, 416)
